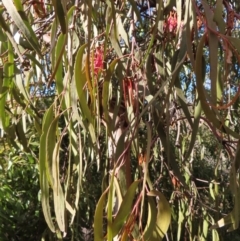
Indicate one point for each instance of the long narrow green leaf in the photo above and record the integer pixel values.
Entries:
(58, 195)
(58, 57)
(234, 216)
(213, 51)
(177, 63)
(125, 208)
(50, 144)
(44, 170)
(80, 168)
(98, 217)
(121, 30)
(197, 116)
(80, 80)
(110, 233)
(105, 93)
(113, 11)
(20, 19)
(145, 168)
(151, 221)
(114, 41)
(59, 11)
(53, 31)
(172, 161)
(155, 28)
(188, 23)
(218, 13)
(21, 136)
(201, 93)
(163, 217)
(7, 84)
(8, 33)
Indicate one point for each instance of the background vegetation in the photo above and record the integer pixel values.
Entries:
(119, 120)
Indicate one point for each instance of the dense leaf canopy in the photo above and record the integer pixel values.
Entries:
(119, 120)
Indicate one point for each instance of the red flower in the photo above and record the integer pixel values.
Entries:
(172, 22)
(98, 60)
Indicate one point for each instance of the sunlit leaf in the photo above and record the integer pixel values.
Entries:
(151, 220)
(44, 170)
(18, 15)
(58, 7)
(163, 217)
(200, 68)
(98, 218)
(125, 208)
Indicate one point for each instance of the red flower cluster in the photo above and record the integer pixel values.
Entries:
(171, 23)
(98, 60)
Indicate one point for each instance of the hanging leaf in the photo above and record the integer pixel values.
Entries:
(58, 195)
(151, 220)
(58, 7)
(80, 80)
(163, 217)
(98, 217)
(200, 68)
(234, 216)
(18, 15)
(125, 208)
(44, 169)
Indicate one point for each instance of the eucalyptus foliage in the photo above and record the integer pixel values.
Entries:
(128, 112)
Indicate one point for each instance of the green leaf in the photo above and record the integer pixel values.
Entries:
(80, 80)
(218, 17)
(205, 225)
(213, 51)
(186, 33)
(197, 116)
(172, 159)
(58, 195)
(53, 31)
(21, 136)
(210, 114)
(120, 147)
(98, 218)
(177, 62)
(125, 208)
(151, 220)
(118, 192)
(57, 71)
(6, 87)
(110, 207)
(58, 56)
(113, 13)
(115, 44)
(163, 217)
(8, 33)
(146, 178)
(234, 216)
(155, 30)
(20, 19)
(121, 30)
(59, 11)
(105, 92)
(44, 171)
(50, 145)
